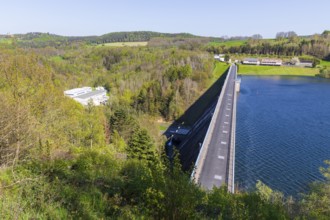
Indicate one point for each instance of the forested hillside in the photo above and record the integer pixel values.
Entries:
(60, 160)
(41, 40)
(286, 43)
(317, 46)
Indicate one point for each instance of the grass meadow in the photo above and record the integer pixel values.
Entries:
(232, 43)
(276, 70)
(123, 44)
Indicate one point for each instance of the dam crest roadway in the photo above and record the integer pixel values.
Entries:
(215, 165)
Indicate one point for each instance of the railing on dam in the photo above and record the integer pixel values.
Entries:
(215, 164)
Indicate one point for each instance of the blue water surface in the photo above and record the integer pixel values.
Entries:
(283, 132)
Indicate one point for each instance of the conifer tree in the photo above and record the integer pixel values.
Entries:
(140, 145)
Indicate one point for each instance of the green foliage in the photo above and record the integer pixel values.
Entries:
(316, 204)
(220, 204)
(149, 98)
(140, 146)
(123, 123)
(267, 194)
(118, 141)
(287, 44)
(325, 73)
(316, 62)
(264, 191)
(178, 73)
(227, 57)
(94, 185)
(159, 82)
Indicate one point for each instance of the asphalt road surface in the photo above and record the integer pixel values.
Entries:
(215, 165)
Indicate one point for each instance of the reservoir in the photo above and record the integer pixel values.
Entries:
(283, 132)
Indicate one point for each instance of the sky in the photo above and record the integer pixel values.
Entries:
(203, 17)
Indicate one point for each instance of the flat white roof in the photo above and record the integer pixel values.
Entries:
(90, 94)
(77, 90)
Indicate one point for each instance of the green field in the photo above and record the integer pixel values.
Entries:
(219, 69)
(5, 40)
(325, 63)
(276, 70)
(124, 44)
(231, 43)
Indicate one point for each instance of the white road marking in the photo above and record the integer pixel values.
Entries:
(227, 115)
(226, 122)
(225, 132)
(217, 177)
(221, 157)
(223, 142)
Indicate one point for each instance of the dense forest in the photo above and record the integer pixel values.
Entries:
(39, 40)
(60, 160)
(292, 45)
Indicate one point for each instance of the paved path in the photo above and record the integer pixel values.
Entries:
(214, 166)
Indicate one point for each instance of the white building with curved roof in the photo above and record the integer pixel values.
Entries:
(87, 95)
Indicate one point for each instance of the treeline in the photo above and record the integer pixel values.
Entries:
(134, 36)
(137, 36)
(195, 43)
(317, 46)
(40, 40)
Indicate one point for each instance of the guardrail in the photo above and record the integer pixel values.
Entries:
(231, 169)
(202, 153)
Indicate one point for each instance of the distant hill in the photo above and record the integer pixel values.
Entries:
(38, 39)
(139, 36)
